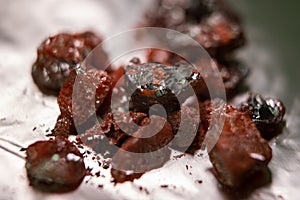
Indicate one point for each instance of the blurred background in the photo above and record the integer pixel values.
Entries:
(273, 31)
(271, 27)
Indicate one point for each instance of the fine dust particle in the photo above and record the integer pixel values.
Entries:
(100, 186)
(187, 167)
(164, 186)
(147, 192)
(144, 189)
(50, 135)
(280, 197)
(105, 165)
(78, 140)
(89, 169)
(178, 156)
(97, 174)
(199, 181)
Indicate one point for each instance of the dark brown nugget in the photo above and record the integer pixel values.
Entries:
(211, 23)
(90, 88)
(64, 125)
(267, 114)
(114, 103)
(54, 165)
(58, 55)
(190, 115)
(96, 139)
(240, 152)
(172, 13)
(107, 137)
(233, 73)
(120, 126)
(138, 155)
(186, 128)
(219, 35)
(155, 83)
